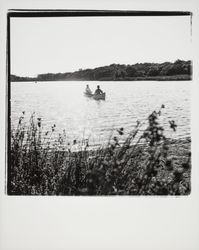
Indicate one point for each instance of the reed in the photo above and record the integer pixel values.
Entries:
(148, 164)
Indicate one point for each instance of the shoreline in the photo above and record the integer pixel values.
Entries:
(149, 165)
(172, 142)
(108, 79)
(165, 71)
(103, 172)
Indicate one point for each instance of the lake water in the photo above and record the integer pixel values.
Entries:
(63, 104)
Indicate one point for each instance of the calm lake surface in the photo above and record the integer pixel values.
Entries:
(64, 104)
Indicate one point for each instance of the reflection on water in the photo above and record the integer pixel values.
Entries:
(63, 104)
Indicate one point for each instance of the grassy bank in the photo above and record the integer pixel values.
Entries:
(149, 165)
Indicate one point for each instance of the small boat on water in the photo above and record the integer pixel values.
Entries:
(99, 96)
(88, 94)
(96, 96)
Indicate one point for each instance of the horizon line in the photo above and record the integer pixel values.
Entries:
(82, 69)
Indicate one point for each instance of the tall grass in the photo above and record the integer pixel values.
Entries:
(141, 165)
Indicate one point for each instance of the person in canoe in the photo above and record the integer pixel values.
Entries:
(98, 91)
(88, 90)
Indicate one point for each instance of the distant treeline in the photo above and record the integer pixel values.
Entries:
(179, 70)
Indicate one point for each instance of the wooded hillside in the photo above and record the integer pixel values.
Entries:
(179, 70)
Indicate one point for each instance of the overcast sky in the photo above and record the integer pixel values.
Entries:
(66, 44)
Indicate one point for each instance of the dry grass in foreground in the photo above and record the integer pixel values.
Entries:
(149, 165)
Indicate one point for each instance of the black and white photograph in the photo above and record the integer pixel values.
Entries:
(99, 103)
(99, 125)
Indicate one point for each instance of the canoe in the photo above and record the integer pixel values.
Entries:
(100, 96)
(96, 97)
(88, 94)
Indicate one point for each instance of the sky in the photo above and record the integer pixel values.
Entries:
(67, 44)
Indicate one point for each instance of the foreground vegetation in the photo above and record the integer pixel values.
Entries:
(179, 70)
(149, 164)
